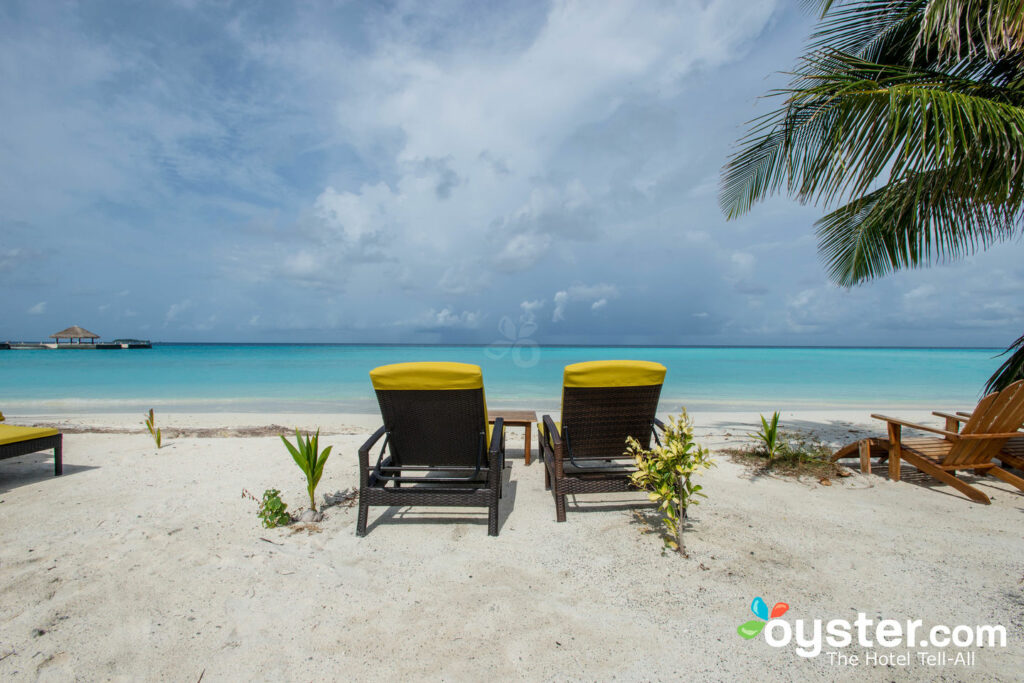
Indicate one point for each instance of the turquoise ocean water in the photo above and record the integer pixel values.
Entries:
(289, 378)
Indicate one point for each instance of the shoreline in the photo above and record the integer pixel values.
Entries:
(831, 426)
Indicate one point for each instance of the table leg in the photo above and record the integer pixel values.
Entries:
(528, 443)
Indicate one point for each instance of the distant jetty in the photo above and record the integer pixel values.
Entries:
(77, 338)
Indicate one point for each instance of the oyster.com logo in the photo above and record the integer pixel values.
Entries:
(759, 607)
(882, 642)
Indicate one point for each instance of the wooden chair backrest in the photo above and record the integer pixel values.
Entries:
(997, 413)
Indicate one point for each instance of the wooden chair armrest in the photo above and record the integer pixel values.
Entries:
(914, 425)
(949, 416)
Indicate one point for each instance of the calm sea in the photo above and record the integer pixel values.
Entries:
(286, 378)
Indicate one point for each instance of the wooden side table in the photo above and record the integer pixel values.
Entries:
(516, 418)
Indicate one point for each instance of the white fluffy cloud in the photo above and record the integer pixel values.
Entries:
(595, 295)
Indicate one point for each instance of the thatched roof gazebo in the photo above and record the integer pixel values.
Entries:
(74, 332)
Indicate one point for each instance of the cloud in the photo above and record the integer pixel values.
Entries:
(343, 167)
(175, 310)
(38, 309)
(595, 295)
(446, 317)
(530, 310)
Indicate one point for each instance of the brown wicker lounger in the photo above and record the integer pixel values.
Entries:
(437, 447)
(15, 441)
(603, 402)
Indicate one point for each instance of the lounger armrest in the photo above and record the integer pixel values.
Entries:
(552, 432)
(949, 416)
(364, 457)
(498, 436)
(914, 425)
(660, 425)
(365, 448)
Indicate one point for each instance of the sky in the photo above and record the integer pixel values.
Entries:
(414, 172)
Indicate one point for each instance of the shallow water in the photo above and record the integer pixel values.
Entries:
(223, 377)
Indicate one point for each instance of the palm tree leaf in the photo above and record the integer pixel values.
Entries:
(907, 224)
(1010, 371)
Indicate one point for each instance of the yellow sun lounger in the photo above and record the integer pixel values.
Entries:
(15, 441)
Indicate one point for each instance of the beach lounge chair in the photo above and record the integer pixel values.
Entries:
(603, 402)
(437, 448)
(1012, 453)
(985, 433)
(15, 441)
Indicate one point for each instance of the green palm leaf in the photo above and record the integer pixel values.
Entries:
(905, 120)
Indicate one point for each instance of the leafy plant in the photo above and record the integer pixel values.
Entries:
(307, 455)
(153, 429)
(666, 473)
(770, 437)
(273, 512)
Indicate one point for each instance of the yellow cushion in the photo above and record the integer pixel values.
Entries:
(418, 376)
(430, 376)
(12, 434)
(540, 428)
(614, 373)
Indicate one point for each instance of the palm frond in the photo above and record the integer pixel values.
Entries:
(1011, 370)
(849, 123)
(960, 28)
(911, 223)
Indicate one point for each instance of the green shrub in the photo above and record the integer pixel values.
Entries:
(310, 460)
(666, 473)
(273, 511)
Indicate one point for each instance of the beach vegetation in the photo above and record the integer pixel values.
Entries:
(153, 429)
(769, 437)
(307, 455)
(272, 511)
(905, 122)
(796, 454)
(666, 472)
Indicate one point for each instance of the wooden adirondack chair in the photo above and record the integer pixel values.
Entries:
(984, 434)
(1012, 454)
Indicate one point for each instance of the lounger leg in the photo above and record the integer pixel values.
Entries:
(865, 456)
(1008, 477)
(895, 434)
(492, 519)
(559, 504)
(945, 477)
(58, 456)
(547, 478)
(364, 510)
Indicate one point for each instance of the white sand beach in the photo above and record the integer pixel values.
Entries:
(146, 564)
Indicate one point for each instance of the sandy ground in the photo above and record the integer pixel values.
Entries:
(141, 564)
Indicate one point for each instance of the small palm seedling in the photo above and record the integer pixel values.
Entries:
(310, 460)
(666, 471)
(770, 437)
(153, 429)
